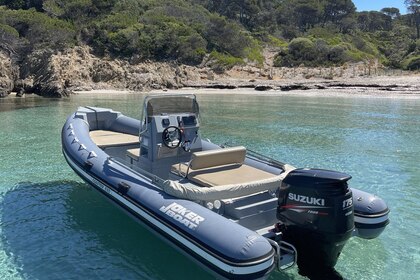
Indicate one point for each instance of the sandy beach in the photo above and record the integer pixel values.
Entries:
(407, 86)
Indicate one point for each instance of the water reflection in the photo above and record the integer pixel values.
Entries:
(64, 230)
(11, 103)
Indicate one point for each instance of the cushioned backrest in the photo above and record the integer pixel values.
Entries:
(212, 158)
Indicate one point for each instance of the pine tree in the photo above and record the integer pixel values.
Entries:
(413, 6)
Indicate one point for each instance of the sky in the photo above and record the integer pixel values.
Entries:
(376, 5)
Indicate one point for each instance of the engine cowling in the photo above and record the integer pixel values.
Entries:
(316, 213)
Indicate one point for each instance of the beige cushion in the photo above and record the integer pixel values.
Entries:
(180, 169)
(227, 175)
(134, 153)
(192, 192)
(106, 138)
(211, 158)
(220, 167)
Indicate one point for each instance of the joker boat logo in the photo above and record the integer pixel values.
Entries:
(182, 215)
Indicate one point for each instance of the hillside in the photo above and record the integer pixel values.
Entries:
(217, 34)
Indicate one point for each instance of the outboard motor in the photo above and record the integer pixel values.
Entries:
(316, 215)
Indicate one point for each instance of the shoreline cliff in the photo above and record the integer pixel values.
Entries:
(78, 69)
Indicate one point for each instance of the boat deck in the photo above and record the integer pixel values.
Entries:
(253, 206)
(105, 138)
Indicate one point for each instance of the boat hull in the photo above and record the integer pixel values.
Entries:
(237, 252)
(225, 248)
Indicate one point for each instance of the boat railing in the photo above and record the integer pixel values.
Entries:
(260, 157)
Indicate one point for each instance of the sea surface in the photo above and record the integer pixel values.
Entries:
(54, 226)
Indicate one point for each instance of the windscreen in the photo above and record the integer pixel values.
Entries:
(159, 105)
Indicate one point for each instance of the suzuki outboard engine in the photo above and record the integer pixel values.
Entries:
(316, 215)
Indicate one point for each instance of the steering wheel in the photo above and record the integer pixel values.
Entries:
(171, 137)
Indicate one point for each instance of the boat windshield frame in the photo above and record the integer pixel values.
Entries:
(165, 104)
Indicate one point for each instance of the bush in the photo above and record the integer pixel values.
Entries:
(321, 49)
(277, 42)
(337, 54)
(11, 41)
(8, 31)
(417, 46)
(302, 50)
(254, 53)
(226, 37)
(172, 39)
(192, 49)
(39, 29)
(329, 34)
(159, 37)
(412, 63)
(124, 42)
(222, 62)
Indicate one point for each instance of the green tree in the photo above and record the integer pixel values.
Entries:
(298, 13)
(307, 13)
(392, 12)
(336, 10)
(347, 24)
(23, 4)
(374, 21)
(15, 4)
(413, 6)
(244, 11)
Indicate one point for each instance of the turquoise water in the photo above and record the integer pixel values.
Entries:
(53, 226)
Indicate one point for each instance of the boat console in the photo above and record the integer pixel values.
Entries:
(169, 133)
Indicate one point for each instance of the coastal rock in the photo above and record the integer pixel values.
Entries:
(221, 86)
(52, 89)
(294, 87)
(39, 70)
(8, 73)
(263, 87)
(77, 68)
(24, 86)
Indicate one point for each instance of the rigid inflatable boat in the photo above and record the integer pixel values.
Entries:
(235, 212)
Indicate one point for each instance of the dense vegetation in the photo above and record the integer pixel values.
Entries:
(228, 32)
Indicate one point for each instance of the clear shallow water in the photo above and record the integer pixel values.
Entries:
(53, 226)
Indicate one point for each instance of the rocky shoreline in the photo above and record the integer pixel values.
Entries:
(407, 87)
(77, 69)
